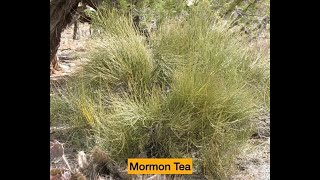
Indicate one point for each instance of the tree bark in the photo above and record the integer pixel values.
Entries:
(75, 29)
(61, 13)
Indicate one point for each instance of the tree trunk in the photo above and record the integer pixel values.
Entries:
(75, 29)
(61, 13)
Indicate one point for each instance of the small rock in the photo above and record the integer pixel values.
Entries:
(72, 64)
(56, 150)
(82, 160)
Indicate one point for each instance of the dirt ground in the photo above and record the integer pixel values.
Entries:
(70, 51)
(252, 164)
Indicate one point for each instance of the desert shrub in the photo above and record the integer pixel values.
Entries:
(190, 92)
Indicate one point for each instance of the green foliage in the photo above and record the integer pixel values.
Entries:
(252, 16)
(190, 92)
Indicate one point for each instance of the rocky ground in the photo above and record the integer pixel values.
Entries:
(252, 164)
